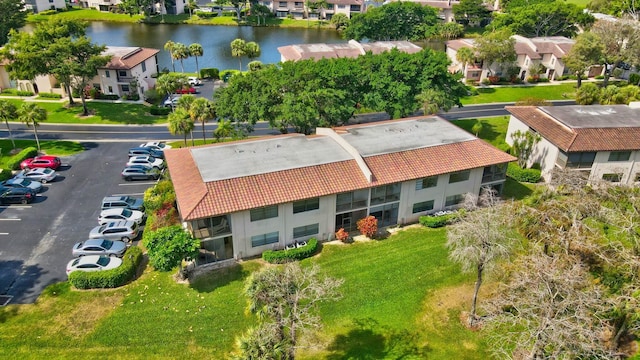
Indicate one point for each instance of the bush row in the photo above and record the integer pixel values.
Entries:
(15, 160)
(17, 92)
(158, 110)
(45, 95)
(210, 73)
(436, 221)
(283, 256)
(109, 278)
(206, 15)
(523, 175)
(5, 174)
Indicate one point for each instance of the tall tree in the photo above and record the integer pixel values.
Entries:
(135, 7)
(8, 112)
(191, 5)
(621, 40)
(471, 12)
(168, 46)
(239, 49)
(32, 115)
(480, 238)
(196, 50)
(465, 56)
(286, 298)
(180, 123)
(180, 52)
(586, 52)
(238, 6)
(496, 47)
(168, 83)
(398, 20)
(524, 143)
(252, 50)
(223, 130)
(12, 17)
(201, 111)
(168, 246)
(548, 18)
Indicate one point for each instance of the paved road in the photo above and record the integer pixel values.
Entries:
(36, 239)
(129, 133)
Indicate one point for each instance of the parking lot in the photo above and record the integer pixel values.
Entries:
(36, 239)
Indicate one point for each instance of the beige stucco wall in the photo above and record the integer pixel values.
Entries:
(544, 153)
(628, 169)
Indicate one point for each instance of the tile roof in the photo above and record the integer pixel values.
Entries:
(576, 139)
(351, 49)
(198, 199)
(124, 58)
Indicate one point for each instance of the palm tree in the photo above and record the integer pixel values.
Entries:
(180, 123)
(252, 50)
(168, 46)
(239, 49)
(32, 114)
(191, 5)
(202, 110)
(224, 130)
(196, 50)
(180, 52)
(8, 112)
(185, 102)
(465, 56)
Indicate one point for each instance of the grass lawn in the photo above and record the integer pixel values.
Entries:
(581, 3)
(402, 298)
(87, 15)
(515, 93)
(494, 129)
(58, 148)
(103, 113)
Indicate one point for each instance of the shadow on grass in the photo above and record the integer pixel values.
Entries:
(219, 278)
(369, 340)
(515, 190)
(486, 90)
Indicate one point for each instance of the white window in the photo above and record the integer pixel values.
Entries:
(265, 239)
(307, 230)
(262, 213)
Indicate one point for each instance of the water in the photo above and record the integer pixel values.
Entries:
(215, 41)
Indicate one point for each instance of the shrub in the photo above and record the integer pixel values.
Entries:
(494, 79)
(158, 110)
(283, 256)
(152, 96)
(132, 97)
(436, 221)
(617, 72)
(210, 73)
(599, 77)
(17, 92)
(485, 82)
(523, 175)
(50, 95)
(162, 193)
(5, 174)
(229, 13)
(228, 74)
(368, 226)
(342, 235)
(15, 160)
(634, 79)
(109, 278)
(168, 246)
(587, 94)
(206, 15)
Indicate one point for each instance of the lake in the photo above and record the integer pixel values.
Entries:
(215, 40)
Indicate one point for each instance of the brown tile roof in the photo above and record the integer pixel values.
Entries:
(576, 139)
(198, 200)
(125, 60)
(459, 43)
(525, 49)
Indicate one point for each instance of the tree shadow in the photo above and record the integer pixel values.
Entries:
(220, 277)
(19, 281)
(486, 90)
(368, 340)
(515, 190)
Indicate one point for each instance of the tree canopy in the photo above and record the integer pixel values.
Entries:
(471, 12)
(12, 17)
(496, 47)
(402, 20)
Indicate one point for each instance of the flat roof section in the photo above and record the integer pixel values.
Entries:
(594, 116)
(403, 135)
(265, 156)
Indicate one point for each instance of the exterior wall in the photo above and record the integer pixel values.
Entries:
(42, 5)
(103, 5)
(42, 83)
(544, 153)
(115, 81)
(5, 80)
(628, 169)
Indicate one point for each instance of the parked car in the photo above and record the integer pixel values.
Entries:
(194, 81)
(116, 214)
(93, 263)
(44, 161)
(146, 160)
(186, 90)
(118, 230)
(140, 173)
(22, 183)
(172, 101)
(157, 145)
(10, 195)
(145, 150)
(43, 175)
(99, 247)
(131, 203)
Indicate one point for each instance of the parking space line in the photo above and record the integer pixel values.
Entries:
(131, 194)
(4, 233)
(10, 219)
(15, 207)
(140, 183)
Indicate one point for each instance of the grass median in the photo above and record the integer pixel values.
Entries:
(488, 95)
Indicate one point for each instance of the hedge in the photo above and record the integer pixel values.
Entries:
(523, 175)
(15, 160)
(436, 221)
(17, 92)
(5, 174)
(45, 95)
(283, 256)
(210, 73)
(109, 278)
(157, 110)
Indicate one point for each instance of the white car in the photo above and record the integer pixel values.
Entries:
(172, 102)
(146, 160)
(158, 145)
(43, 175)
(116, 214)
(194, 81)
(93, 263)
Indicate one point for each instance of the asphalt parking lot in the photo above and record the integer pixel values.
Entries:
(36, 239)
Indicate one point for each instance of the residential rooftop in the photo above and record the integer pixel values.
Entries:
(595, 116)
(350, 49)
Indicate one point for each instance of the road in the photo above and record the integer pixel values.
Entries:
(128, 133)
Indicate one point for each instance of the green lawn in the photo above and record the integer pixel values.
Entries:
(402, 298)
(515, 93)
(581, 3)
(102, 113)
(58, 148)
(494, 129)
(87, 15)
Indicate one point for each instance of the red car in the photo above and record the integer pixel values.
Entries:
(189, 90)
(45, 161)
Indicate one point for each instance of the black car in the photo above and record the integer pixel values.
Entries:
(145, 150)
(140, 173)
(16, 195)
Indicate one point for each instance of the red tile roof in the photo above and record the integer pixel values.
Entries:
(199, 200)
(131, 59)
(577, 139)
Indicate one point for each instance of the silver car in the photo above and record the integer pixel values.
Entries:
(99, 247)
(44, 175)
(23, 183)
(93, 263)
(120, 230)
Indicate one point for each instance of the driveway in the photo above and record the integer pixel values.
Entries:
(36, 239)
